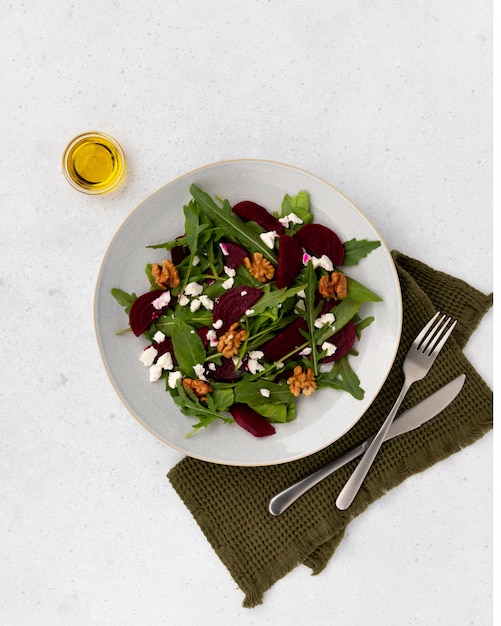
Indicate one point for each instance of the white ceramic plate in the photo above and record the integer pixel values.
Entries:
(323, 417)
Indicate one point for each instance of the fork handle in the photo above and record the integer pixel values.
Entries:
(353, 484)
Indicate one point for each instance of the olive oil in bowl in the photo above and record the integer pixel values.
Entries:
(94, 163)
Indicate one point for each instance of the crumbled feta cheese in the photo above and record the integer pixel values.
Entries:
(183, 300)
(224, 249)
(165, 361)
(148, 356)
(196, 260)
(207, 302)
(212, 366)
(324, 262)
(199, 371)
(155, 372)
(243, 292)
(212, 338)
(173, 378)
(158, 337)
(278, 365)
(265, 392)
(193, 289)
(301, 294)
(269, 238)
(254, 366)
(228, 283)
(329, 347)
(300, 305)
(256, 354)
(295, 219)
(162, 301)
(195, 305)
(305, 351)
(249, 312)
(326, 318)
(217, 324)
(230, 271)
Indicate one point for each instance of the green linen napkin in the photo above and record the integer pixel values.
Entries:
(230, 504)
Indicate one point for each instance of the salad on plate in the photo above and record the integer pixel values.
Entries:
(248, 310)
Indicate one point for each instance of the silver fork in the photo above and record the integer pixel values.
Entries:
(418, 361)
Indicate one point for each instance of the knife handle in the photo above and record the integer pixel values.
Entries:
(282, 501)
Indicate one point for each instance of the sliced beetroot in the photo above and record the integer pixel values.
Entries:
(232, 304)
(343, 340)
(163, 347)
(290, 260)
(251, 420)
(234, 254)
(179, 253)
(319, 240)
(226, 371)
(249, 210)
(285, 341)
(142, 313)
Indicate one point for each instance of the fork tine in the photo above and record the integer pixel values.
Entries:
(434, 334)
(419, 339)
(438, 346)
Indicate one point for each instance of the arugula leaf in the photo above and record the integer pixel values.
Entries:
(123, 298)
(311, 312)
(356, 249)
(188, 347)
(232, 226)
(342, 377)
(250, 393)
(360, 293)
(298, 204)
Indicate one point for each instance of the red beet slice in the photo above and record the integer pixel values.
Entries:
(249, 210)
(232, 304)
(251, 421)
(234, 254)
(318, 240)
(286, 340)
(226, 371)
(290, 260)
(179, 253)
(142, 313)
(343, 340)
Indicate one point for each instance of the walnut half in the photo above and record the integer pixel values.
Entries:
(229, 343)
(260, 267)
(333, 286)
(199, 387)
(165, 276)
(302, 382)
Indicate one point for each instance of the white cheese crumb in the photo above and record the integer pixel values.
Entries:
(217, 324)
(148, 356)
(254, 366)
(207, 302)
(199, 371)
(155, 372)
(224, 249)
(161, 301)
(212, 366)
(305, 351)
(329, 347)
(183, 300)
(173, 378)
(279, 365)
(193, 289)
(229, 271)
(195, 305)
(301, 294)
(326, 318)
(295, 219)
(265, 392)
(269, 238)
(228, 283)
(165, 361)
(196, 260)
(243, 292)
(249, 312)
(300, 305)
(212, 338)
(158, 337)
(256, 354)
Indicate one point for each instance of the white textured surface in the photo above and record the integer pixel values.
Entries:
(391, 103)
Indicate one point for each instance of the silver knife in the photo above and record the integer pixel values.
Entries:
(409, 420)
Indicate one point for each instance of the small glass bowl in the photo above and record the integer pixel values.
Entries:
(94, 163)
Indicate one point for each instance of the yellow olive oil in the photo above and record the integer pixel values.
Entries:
(94, 163)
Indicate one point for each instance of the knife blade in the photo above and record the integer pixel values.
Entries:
(407, 421)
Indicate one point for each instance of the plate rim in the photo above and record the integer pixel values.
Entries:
(193, 172)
